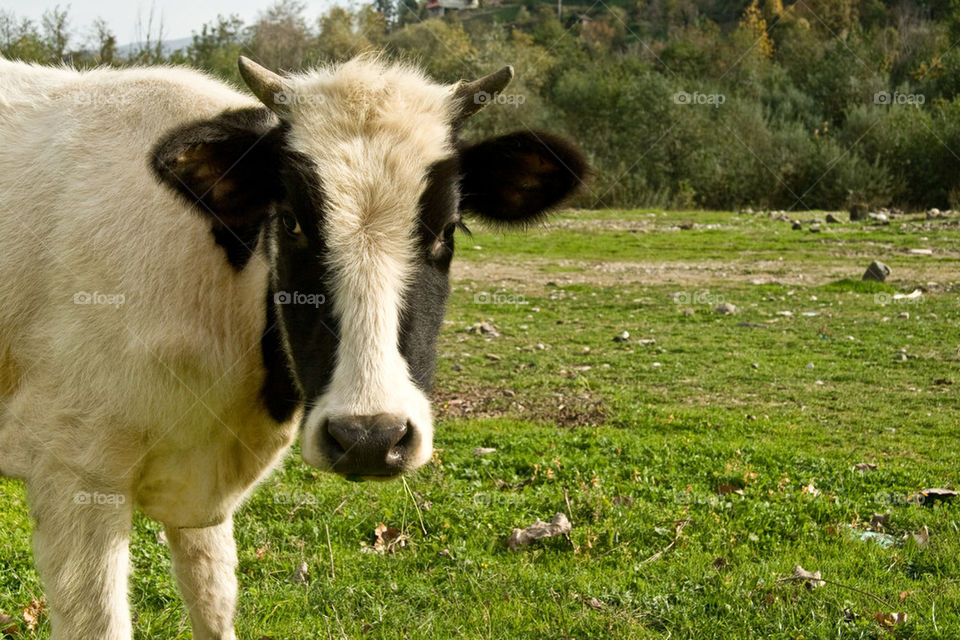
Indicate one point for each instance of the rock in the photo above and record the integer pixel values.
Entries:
(484, 329)
(810, 365)
(877, 272)
(725, 308)
(922, 252)
(755, 365)
(815, 228)
(858, 211)
(623, 337)
(482, 451)
(905, 315)
(797, 226)
(879, 217)
(901, 357)
(686, 225)
(832, 219)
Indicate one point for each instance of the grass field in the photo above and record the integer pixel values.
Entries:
(699, 461)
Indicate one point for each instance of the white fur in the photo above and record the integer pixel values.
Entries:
(373, 132)
(155, 401)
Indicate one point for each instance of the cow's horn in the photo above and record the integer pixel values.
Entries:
(269, 87)
(470, 97)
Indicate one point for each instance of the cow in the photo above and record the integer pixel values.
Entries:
(191, 277)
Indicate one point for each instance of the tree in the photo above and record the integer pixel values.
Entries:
(280, 38)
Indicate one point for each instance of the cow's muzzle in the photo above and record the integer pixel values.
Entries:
(377, 445)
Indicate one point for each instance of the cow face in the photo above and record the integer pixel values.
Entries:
(353, 184)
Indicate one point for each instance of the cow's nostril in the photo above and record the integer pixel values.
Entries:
(399, 450)
(367, 445)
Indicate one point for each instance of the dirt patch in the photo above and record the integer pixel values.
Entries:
(565, 410)
(533, 274)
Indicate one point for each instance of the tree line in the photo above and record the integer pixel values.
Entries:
(678, 103)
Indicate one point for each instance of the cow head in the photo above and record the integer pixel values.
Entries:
(354, 179)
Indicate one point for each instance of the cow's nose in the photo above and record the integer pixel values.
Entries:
(367, 445)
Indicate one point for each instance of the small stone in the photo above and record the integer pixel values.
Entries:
(905, 315)
(688, 311)
(832, 219)
(755, 365)
(877, 272)
(901, 357)
(810, 365)
(482, 451)
(815, 228)
(623, 337)
(725, 308)
(858, 212)
(493, 356)
(299, 575)
(879, 217)
(686, 225)
(796, 226)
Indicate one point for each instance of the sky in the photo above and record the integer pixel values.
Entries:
(180, 17)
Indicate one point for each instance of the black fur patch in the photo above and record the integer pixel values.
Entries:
(227, 168)
(516, 178)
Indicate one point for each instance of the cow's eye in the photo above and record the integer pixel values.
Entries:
(290, 224)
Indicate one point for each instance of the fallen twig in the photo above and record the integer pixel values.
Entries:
(680, 525)
(837, 584)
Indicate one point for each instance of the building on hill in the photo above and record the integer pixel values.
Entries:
(436, 8)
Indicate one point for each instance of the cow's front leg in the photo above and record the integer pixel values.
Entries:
(205, 564)
(81, 545)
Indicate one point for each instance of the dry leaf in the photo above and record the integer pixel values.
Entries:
(905, 594)
(890, 619)
(922, 537)
(879, 521)
(482, 451)
(33, 611)
(261, 551)
(724, 489)
(299, 575)
(865, 466)
(8, 626)
(556, 527)
(594, 604)
(930, 496)
(388, 539)
(811, 579)
(811, 490)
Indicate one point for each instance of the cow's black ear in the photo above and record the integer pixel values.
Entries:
(516, 178)
(227, 167)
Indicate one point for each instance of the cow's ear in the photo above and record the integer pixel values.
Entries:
(227, 167)
(516, 178)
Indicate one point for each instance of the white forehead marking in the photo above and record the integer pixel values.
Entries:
(372, 130)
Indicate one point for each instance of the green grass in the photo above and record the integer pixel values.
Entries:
(745, 427)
